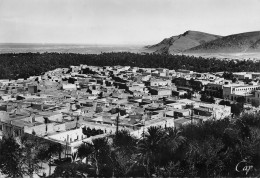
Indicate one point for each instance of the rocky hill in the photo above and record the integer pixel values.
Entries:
(183, 42)
(237, 43)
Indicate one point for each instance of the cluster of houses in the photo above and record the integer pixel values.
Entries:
(77, 104)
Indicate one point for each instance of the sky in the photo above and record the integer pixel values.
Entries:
(122, 21)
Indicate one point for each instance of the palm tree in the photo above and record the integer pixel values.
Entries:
(124, 140)
(171, 143)
(84, 151)
(53, 149)
(123, 153)
(31, 148)
(173, 139)
(10, 157)
(150, 148)
(99, 151)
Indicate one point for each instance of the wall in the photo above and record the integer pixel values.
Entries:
(164, 92)
(41, 129)
(169, 122)
(57, 117)
(69, 87)
(4, 115)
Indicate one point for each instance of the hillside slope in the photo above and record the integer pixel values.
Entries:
(180, 43)
(237, 43)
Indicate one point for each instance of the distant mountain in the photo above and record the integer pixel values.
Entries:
(237, 43)
(180, 43)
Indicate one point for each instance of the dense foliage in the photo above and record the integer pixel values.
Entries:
(10, 155)
(23, 65)
(211, 149)
(23, 156)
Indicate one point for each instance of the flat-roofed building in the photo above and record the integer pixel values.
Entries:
(160, 91)
(69, 87)
(242, 75)
(232, 92)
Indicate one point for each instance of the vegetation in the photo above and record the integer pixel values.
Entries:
(23, 65)
(10, 157)
(236, 107)
(209, 149)
(206, 98)
(24, 157)
(91, 132)
(69, 170)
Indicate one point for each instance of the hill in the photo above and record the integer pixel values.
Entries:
(180, 43)
(237, 43)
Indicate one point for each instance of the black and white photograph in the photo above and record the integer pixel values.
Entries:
(129, 88)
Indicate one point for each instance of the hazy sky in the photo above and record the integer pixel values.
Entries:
(122, 21)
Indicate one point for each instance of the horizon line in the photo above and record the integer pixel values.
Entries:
(58, 43)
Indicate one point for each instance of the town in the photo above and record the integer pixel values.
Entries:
(76, 105)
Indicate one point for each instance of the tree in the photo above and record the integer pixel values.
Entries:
(234, 80)
(241, 99)
(31, 148)
(187, 95)
(171, 151)
(99, 109)
(25, 158)
(247, 80)
(196, 85)
(49, 150)
(206, 98)
(251, 119)
(228, 75)
(85, 151)
(124, 140)
(33, 64)
(100, 154)
(224, 102)
(123, 162)
(211, 99)
(237, 108)
(173, 139)
(10, 157)
(100, 95)
(124, 153)
(150, 148)
(73, 170)
(255, 103)
(202, 158)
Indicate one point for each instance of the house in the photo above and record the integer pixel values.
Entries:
(232, 92)
(212, 111)
(160, 91)
(69, 87)
(242, 75)
(160, 82)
